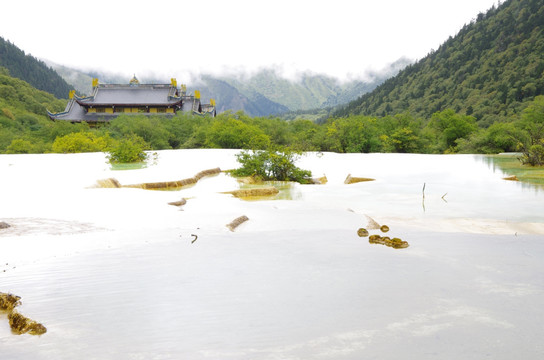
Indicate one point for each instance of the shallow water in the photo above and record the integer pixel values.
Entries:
(113, 273)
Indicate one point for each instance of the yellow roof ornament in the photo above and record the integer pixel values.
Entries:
(134, 80)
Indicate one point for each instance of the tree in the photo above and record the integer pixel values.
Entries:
(130, 149)
(273, 164)
(449, 127)
(234, 134)
(532, 121)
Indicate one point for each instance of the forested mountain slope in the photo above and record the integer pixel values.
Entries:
(23, 115)
(32, 70)
(489, 70)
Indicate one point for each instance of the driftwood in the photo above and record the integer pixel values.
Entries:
(19, 323)
(178, 203)
(353, 180)
(373, 225)
(108, 183)
(319, 181)
(236, 222)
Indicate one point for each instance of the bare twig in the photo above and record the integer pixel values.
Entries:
(423, 201)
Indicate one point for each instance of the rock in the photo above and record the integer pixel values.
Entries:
(353, 180)
(362, 232)
(395, 243)
(236, 222)
(4, 225)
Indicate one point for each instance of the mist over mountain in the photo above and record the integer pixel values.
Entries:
(263, 93)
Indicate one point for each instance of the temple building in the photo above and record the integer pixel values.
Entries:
(108, 101)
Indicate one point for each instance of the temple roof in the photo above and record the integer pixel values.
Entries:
(148, 94)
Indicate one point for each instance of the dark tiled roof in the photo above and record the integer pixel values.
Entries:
(132, 95)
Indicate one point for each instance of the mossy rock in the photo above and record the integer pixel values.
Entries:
(20, 324)
(9, 301)
(362, 232)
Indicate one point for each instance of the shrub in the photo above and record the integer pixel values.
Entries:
(20, 146)
(271, 165)
(130, 149)
(80, 142)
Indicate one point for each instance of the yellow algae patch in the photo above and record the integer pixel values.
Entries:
(9, 301)
(19, 323)
(262, 191)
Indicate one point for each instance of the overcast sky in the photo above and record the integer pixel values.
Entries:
(342, 38)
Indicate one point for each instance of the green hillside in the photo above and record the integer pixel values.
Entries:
(490, 70)
(32, 70)
(23, 115)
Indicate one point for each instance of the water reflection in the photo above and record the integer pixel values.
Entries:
(530, 177)
(287, 190)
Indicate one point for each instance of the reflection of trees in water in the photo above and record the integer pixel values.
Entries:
(530, 177)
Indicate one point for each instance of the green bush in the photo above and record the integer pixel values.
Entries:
(277, 164)
(130, 149)
(20, 146)
(80, 142)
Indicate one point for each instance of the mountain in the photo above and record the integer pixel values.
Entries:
(491, 69)
(23, 115)
(32, 70)
(229, 97)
